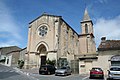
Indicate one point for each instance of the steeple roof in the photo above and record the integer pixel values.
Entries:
(86, 16)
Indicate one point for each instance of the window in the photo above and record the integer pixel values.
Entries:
(115, 69)
(86, 28)
(43, 30)
(7, 61)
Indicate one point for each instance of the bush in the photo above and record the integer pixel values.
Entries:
(2, 60)
(20, 64)
(51, 62)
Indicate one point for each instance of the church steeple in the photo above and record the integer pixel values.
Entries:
(86, 16)
(87, 35)
(86, 23)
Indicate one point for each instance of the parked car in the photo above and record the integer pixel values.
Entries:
(63, 71)
(47, 69)
(96, 72)
(114, 73)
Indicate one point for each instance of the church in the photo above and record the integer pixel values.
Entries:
(50, 37)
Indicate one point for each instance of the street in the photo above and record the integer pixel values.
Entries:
(8, 73)
(70, 77)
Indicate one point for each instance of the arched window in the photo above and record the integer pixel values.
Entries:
(86, 28)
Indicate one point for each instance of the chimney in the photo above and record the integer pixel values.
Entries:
(103, 39)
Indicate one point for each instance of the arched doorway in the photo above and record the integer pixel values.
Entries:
(42, 53)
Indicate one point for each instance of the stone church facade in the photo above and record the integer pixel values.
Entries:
(50, 37)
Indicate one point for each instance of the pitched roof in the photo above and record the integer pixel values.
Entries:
(44, 14)
(5, 50)
(109, 45)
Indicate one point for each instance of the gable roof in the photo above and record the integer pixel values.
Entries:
(109, 45)
(46, 14)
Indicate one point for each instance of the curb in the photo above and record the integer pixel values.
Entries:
(18, 70)
(26, 73)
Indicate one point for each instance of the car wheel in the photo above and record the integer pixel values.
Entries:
(55, 74)
(102, 77)
(90, 77)
(65, 74)
(49, 72)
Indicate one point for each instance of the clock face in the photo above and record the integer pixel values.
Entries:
(43, 30)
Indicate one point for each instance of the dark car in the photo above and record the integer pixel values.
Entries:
(47, 69)
(96, 72)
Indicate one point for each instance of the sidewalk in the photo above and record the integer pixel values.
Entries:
(28, 71)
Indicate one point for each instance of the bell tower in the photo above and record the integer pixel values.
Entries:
(86, 24)
(86, 38)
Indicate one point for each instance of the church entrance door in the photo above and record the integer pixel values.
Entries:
(43, 60)
(42, 53)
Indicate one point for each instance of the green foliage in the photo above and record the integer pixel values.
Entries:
(20, 64)
(3, 60)
(62, 62)
(51, 62)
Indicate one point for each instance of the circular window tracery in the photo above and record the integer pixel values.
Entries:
(43, 30)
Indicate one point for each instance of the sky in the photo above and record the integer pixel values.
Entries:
(15, 16)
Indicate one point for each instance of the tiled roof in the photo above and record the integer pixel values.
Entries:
(109, 45)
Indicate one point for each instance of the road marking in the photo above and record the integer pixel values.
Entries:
(85, 78)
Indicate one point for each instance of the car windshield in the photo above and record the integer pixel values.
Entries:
(43, 68)
(115, 69)
(97, 69)
(63, 68)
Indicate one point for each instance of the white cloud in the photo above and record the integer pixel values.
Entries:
(8, 27)
(110, 28)
(9, 43)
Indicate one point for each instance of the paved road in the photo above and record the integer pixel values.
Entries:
(70, 77)
(8, 73)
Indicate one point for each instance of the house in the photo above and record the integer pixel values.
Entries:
(109, 53)
(5, 50)
(13, 57)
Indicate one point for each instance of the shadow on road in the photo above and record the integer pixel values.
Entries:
(4, 75)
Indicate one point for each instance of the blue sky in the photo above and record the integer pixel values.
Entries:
(16, 14)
